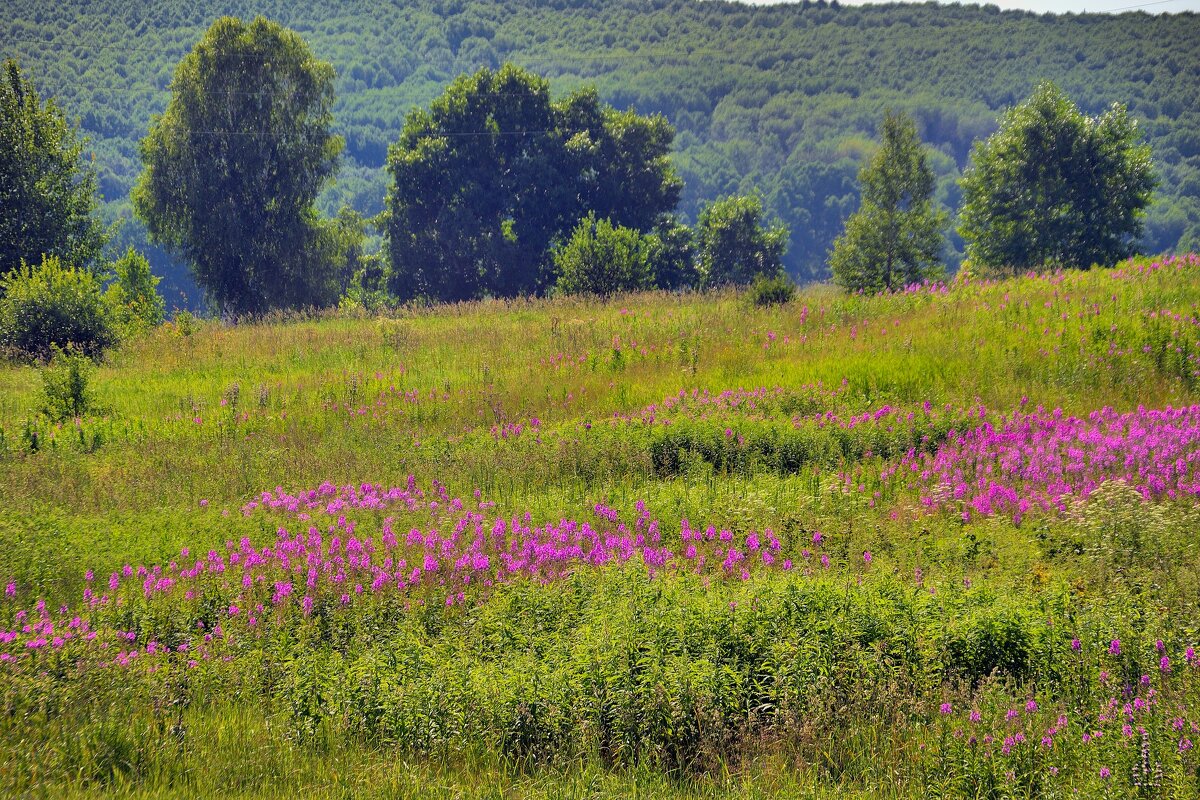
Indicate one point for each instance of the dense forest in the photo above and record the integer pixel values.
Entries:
(784, 100)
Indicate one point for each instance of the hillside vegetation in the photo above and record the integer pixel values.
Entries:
(939, 542)
(784, 99)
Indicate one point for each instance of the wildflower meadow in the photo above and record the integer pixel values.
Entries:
(939, 542)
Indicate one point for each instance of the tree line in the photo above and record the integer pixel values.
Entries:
(784, 99)
(498, 189)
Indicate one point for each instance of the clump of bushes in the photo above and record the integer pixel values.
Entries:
(730, 245)
(133, 295)
(603, 259)
(54, 306)
(771, 291)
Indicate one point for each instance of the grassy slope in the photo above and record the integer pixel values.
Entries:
(314, 402)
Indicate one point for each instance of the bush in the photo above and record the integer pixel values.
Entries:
(367, 289)
(734, 246)
(133, 295)
(602, 258)
(775, 291)
(51, 306)
(673, 256)
(65, 385)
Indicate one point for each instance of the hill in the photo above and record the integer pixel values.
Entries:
(785, 99)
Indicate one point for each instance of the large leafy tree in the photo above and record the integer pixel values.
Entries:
(734, 246)
(895, 237)
(1055, 186)
(47, 188)
(234, 165)
(494, 173)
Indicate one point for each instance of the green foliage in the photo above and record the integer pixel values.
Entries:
(47, 186)
(783, 97)
(341, 245)
(52, 305)
(133, 294)
(673, 256)
(1054, 186)
(771, 291)
(368, 286)
(895, 238)
(493, 173)
(602, 258)
(732, 244)
(65, 384)
(234, 166)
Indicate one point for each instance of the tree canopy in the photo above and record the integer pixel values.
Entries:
(1055, 186)
(494, 173)
(47, 186)
(235, 163)
(895, 238)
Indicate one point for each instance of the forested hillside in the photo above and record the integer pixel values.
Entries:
(784, 99)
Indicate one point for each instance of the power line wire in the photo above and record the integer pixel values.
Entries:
(565, 56)
(427, 135)
(1139, 5)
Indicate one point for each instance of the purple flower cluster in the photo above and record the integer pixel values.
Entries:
(1041, 460)
(326, 562)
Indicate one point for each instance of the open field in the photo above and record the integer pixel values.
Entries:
(936, 543)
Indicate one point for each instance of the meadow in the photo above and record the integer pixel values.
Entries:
(940, 542)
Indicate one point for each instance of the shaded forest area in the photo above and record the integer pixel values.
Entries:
(781, 99)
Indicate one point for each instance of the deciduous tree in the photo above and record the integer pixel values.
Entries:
(494, 173)
(734, 246)
(1053, 186)
(234, 165)
(47, 186)
(895, 238)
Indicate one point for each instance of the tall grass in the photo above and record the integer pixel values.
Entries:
(857, 430)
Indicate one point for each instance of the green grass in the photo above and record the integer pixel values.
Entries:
(610, 683)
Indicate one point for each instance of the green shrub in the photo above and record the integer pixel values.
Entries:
(990, 643)
(602, 258)
(772, 291)
(673, 256)
(52, 305)
(733, 245)
(186, 323)
(367, 290)
(65, 385)
(133, 295)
